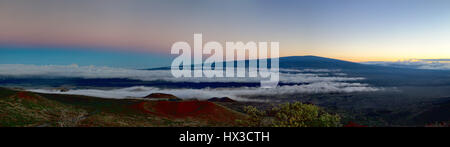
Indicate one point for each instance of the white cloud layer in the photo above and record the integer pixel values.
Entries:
(319, 81)
(91, 72)
(235, 93)
(437, 64)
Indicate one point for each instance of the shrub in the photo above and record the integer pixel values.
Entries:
(290, 115)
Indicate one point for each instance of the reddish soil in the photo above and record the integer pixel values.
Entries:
(140, 107)
(354, 125)
(26, 95)
(202, 110)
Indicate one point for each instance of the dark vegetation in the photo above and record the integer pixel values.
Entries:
(291, 115)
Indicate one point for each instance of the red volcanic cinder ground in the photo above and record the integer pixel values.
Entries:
(353, 125)
(26, 96)
(202, 110)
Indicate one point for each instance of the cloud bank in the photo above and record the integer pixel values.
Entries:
(93, 72)
(303, 81)
(240, 93)
(435, 64)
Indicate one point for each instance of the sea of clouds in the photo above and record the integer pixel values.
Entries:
(309, 81)
(239, 93)
(94, 72)
(435, 64)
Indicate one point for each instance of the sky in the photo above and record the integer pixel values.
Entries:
(140, 33)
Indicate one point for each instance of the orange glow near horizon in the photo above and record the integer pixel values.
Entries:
(356, 31)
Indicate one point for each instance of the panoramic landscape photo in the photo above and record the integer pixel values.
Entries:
(255, 63)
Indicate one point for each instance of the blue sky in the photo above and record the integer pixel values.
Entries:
(99, 32)
(80, 56)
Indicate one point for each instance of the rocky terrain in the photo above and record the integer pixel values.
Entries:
(27, 109)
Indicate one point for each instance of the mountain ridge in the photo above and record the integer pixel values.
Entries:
(306, 59)
(374, 74)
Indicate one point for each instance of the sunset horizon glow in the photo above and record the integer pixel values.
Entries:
(350, 30)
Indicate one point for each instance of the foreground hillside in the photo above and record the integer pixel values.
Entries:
(19, 108)
(28, 109)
